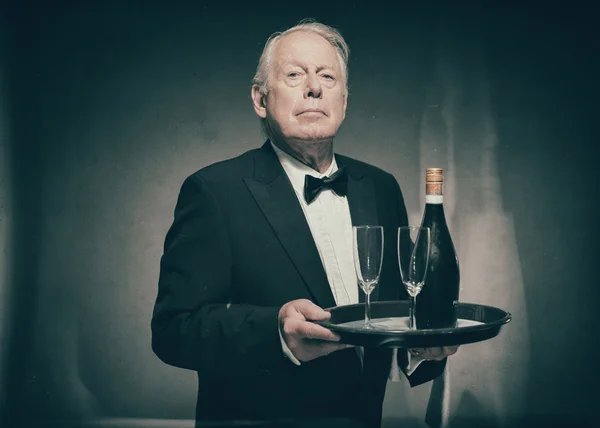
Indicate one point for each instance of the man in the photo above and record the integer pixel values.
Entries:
(256, 250)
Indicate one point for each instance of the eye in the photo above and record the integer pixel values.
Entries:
(293, 75)
(328, 76)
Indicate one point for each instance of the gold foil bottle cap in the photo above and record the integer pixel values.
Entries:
(434, 175)
(434, 179)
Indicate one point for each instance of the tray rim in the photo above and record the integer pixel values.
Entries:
(419, 332)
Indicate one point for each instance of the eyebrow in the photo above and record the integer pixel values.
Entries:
(320, 67)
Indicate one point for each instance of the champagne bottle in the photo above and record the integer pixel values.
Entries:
(436, 303)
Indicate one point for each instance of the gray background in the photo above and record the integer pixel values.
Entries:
(105, 107)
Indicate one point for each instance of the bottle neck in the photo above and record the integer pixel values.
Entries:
(434, 199)
(434, 193)
(434, 209)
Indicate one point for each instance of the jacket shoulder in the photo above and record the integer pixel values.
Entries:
(364, 168)
(228, 169)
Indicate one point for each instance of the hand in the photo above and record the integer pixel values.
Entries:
(305, 339)
(436, 354)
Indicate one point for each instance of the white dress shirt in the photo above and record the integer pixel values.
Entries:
(328, 217)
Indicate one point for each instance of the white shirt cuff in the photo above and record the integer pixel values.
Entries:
(286, 350)
(413, 363)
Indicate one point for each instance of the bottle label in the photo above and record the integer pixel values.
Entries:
(434, 199)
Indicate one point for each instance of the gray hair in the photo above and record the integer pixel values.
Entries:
(333, 36)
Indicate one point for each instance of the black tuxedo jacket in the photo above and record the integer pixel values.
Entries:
(238, 249)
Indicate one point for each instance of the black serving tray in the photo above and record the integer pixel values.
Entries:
(476, 323)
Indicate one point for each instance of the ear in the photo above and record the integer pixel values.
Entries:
(259, 102)
(345, 105)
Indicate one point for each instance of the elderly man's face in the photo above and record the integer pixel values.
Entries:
(306, 99)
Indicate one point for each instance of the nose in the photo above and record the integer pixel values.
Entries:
(313, 86)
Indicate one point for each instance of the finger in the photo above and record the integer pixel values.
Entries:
(449, 350)
(416, 351)
(308, 330)
(329, 347)
(433, 353)
(439, 354)
(310, 311)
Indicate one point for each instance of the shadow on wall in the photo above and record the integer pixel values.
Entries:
(24, 216)
(41, 317)
(6, 218)
(545, 113)
(458, 133)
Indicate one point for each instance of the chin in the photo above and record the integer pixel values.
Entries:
(316, 134)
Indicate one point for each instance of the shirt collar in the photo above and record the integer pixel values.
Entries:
(296, 170)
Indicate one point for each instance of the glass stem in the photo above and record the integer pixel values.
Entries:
(412, 322)
(368, 310)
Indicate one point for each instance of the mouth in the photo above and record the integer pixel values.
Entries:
(312, 111)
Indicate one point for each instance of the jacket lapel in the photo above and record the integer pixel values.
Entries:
(363, 205)
(276, 198)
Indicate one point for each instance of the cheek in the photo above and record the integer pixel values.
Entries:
(293, 106)
(340, 111)
(283, 108)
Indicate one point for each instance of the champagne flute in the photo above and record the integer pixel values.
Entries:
(413, 259)
(368, 256)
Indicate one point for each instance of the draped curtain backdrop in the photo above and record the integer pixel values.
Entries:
(105, 107)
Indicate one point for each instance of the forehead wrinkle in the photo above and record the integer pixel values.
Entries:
(280, 59)
(292, 40)
(287, 59)
(303, 64)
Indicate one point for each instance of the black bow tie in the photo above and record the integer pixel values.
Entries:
(338, 182)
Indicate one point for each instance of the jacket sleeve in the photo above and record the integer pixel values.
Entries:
(193, 325)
